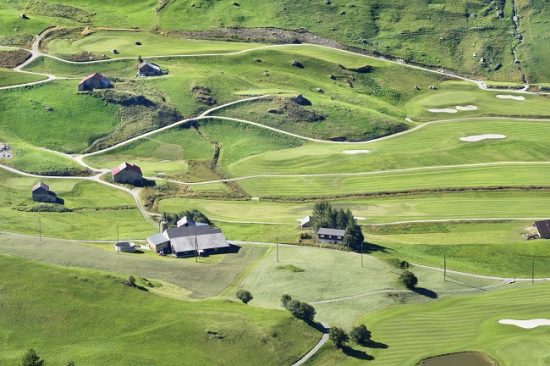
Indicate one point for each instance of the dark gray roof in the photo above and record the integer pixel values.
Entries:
(157, 239)
(150, 64)
(40, 185)
(185, 239)
(124, 244)
(332, 232)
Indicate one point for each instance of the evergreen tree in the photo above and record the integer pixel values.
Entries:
(30, 358)
(353, 238)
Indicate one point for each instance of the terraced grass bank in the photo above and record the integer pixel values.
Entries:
(92, 318)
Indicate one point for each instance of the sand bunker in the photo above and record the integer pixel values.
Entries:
(526, 324)
(476, 138)
(458, 108)
(513, 97)
(466, 107)
(353, 152)
(442, 110)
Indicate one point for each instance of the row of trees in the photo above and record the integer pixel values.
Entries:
(299, 309)
(324, 215)
(360, 335)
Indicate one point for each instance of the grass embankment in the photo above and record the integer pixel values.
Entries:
(94, 210)
(466, 323)
(92, 318)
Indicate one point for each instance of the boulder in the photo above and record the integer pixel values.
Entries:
(301, 100)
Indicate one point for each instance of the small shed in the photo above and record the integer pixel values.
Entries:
(125, 246)
(127, 173)
(305, 222)
(146, 68)
(334, 236)
(41, 193)
(543, 227)
(94, 81)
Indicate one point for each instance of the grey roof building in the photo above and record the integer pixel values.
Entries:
(189, 241)
(305, 221)
(125, 246)
(543, 227)
(145, 68)
(335, 236)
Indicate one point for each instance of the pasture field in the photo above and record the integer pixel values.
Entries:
(207, 278)
(54, 116)
(103, 42)
(374, 210)
(9, 77)
(92, 318)
(95, 211)
(317, 275)
(462, 323)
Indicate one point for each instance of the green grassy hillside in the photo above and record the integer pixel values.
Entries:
(92, 319)
(467, 323)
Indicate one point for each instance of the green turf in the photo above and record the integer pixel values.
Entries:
(466, 323)
(444, 206)
(104, 42)
(9, 77)
(92, 318)
(53, 115)
(97, 210)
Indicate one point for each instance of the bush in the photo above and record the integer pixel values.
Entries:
(244, 295)
(301, 310)
(408, 279)
(130, 282)
(338, 336)
(360, 334)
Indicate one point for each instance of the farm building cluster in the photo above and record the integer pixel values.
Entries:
(188, 239)
(324, 235)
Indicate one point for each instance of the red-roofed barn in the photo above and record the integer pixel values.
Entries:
(127, 173)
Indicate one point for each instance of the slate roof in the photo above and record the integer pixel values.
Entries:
(157, 239)
(150, 64)
(125, 166)
(185, 239)
(331, 232)
(95, 76)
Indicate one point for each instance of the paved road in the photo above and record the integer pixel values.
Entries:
(314, 350)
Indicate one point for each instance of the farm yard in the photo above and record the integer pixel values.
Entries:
(431, 139)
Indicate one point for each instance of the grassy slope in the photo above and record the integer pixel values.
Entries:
(98, 210)
(206, 278)
(9, 77)
(32, 160)
(72, 124)
(438, 34)
(523, 142)
(313, 274)
(467, 323)
(103, 42)
(92, 318)
(379, 210)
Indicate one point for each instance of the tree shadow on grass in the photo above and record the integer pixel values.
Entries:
(369, 248)
(425, 292)
(355, 353)
(316, 325)
(374, 344)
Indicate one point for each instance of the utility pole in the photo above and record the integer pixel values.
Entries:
(361, 254)
(444, 268)
(277, 249)
(117, 235)
(40, 228)
(196, 249)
